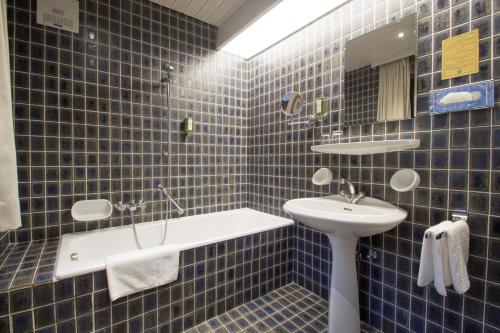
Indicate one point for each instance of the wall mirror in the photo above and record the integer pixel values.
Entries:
(292, 103)
(380, 74)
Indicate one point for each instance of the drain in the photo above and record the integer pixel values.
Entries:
(74, 256)
(348, 209)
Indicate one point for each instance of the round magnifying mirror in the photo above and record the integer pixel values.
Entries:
(291, 103)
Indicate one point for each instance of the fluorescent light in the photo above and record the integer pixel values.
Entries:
(282, 20)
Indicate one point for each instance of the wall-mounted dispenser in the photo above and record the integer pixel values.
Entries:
(188, 126)
(478, 95)
(320, 107)
(59, 14)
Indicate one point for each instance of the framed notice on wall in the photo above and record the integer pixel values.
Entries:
(460, 55)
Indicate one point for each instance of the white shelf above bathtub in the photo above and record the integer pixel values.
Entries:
(367, 147)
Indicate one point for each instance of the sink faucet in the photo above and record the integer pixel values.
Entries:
(352, 196)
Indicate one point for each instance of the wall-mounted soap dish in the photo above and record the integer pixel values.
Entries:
(405, 180)
(91, 210)
(322, 177)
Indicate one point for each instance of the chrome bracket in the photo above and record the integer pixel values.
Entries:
(309, 122)
(371, 255)
(457, 216)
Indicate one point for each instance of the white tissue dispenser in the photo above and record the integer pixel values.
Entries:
(478, 95)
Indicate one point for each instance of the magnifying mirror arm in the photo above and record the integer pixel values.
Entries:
(310, 121)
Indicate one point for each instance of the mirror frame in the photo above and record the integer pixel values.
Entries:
(408, 24)
(292, 103)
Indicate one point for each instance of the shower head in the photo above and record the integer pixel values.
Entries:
(167, 69)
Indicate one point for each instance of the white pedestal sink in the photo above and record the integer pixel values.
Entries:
(344, 223)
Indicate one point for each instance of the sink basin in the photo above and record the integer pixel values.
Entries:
(343, 223)
(334, 214)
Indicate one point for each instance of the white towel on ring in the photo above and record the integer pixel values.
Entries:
(135, 271)
(440, 255)
(434, 261)
(458, 249)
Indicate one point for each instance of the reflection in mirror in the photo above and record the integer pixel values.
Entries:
(291, 103)
(380, 74)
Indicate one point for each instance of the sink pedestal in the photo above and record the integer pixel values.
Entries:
(343, 312)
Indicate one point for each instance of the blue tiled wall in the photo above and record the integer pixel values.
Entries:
(458, 162)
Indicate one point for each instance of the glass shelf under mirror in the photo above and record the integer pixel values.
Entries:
(367, 147)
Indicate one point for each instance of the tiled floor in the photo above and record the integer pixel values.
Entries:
(288, 309)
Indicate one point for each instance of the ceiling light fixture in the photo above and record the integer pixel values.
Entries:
(279, 22)
(401, 34)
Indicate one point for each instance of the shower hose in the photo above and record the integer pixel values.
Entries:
(136, 237)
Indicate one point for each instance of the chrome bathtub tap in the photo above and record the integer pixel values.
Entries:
(120, 206)
(163, 190)
(132, 206)
(352, 196)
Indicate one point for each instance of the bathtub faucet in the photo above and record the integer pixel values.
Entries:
(163, 190)
(131, 206)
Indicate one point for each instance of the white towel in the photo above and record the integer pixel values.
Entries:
(458, 249)
(10, 214)
(134, 271)
(434, 263)
(442, 275)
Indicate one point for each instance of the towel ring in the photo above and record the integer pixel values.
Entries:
(455, 216)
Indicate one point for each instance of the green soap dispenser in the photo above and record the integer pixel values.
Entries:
(188, 126)
(320, 107)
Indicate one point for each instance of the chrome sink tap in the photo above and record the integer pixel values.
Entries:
(352, 196)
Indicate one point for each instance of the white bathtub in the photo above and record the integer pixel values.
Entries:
(92, 247)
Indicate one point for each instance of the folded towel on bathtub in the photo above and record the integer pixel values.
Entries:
(134, 271)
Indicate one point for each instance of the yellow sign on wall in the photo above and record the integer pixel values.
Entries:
(460, 55)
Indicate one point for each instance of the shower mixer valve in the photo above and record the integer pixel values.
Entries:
(132, 206)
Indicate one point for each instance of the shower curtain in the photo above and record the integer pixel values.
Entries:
(394, 91)
(10, 216)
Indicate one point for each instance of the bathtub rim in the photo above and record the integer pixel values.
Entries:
(101, 266)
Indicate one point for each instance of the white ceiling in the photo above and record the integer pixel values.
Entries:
(211, 11)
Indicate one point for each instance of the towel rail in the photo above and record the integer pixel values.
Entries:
(455, 216)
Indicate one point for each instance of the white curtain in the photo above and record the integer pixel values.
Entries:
(10, 216)
(394, 91)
